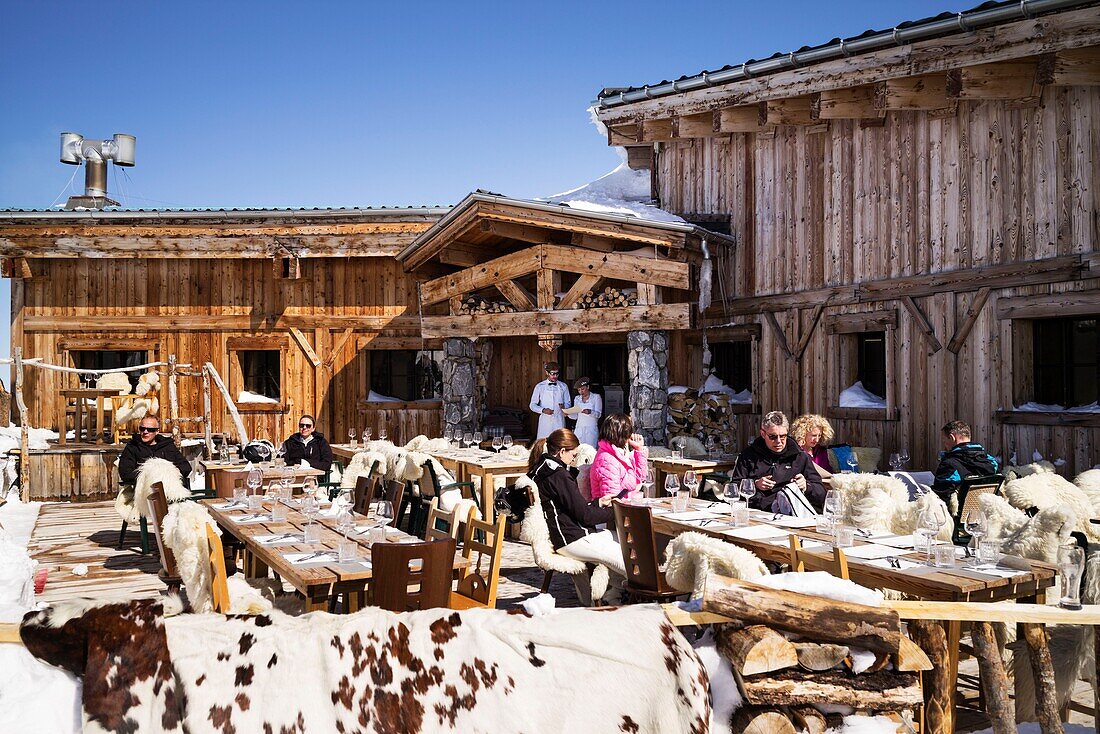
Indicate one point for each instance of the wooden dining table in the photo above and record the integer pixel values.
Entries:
(1015, 578)
(319, 581)
(223, 476)
(665, 465)
(85, 413)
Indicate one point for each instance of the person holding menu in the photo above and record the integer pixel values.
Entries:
(548, 399)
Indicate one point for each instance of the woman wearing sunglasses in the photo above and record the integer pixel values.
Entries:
(308, 444)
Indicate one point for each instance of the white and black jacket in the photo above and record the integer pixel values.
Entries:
(568, 516)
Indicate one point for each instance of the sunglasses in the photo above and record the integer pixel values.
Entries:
(305, 425)
(551, 372)
(144, 429)
(776, 436)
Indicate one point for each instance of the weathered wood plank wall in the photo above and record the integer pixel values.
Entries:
(926, 192)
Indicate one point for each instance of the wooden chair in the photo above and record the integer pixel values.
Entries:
(412, 576)
(443, 524)
(363, 493)
(477, 587)
(395, 495)
(158, 507)
(644, 579)
(969, 497)
(802, 559)
(219, 586)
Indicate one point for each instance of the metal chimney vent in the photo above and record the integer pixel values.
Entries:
(95, 154)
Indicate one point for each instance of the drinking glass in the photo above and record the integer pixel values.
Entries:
(672, 484)
(929, 522)
(507, 441)
(223, 452)
(1071, 564)
(731, 492)
(345, 520)
(691, 482)
(498, 443)
(382, 433)
(647, 482)
(904, 456)
(712, 446)
(747, 490)
(366, 436)
(347, 550)
(467, 439)
(681, 500)
(448, 435)
(895, 461)
(739, 514)
(974, 524)
(844, 536)
(853, 463)
(255, 479)
(945, 555)
(351, 437)
(309, 488)
(477, 439)
(280, 452)
(989, 552)
(240, 493)
(677, 454)
(278, 512)
(312, 533)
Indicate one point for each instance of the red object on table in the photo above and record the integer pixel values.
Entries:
(40, 580)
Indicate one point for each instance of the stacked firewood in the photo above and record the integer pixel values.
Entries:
(475, 304)
(792, 653)
(701, 416)
(607, 298)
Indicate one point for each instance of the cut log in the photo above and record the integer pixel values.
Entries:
(817, 656)
(1046, 697)
(821, 619)
(809, 719)
(756, 649)
(751, 720)
(1001, 713)
(881, 691)
(911, 657)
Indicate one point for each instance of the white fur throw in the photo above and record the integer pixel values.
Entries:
(690, 445)
(147, 402)
(1039, 467)
(114, 381)
(1036, 537)
(585, 455)
(689, 557)
(132, 506)
(359, 465)
(1047, 489)
(881, 504)
(184, 532)
(535, 532)
(1089, 482)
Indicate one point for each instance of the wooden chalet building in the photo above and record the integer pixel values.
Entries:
(916, 209)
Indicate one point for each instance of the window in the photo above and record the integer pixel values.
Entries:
(732, 363)
(1066, 364)
(108, 359)
(871, 361)
(407, 374)
(260, 372)
(860, 375)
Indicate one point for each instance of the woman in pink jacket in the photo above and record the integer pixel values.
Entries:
(621, 462)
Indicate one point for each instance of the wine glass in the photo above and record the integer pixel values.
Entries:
(345, 521)
(286, 480)
(498, 442)
(507, 442)
(974, 523)
(672, 484)
(732, 492)
(223, 451)
(747, 490)
(255, 479)
(448, 435)
(467, 439)
(929, 521)
(309, 487)
(895, 461)
(691, 482)
(280, 453)
(383, 434)
(351, 437)
(712, 446)
(648, 482)
(903, 456)
(477, 439)
(834, 504)
(853, 463)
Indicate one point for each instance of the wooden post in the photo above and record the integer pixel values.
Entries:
(24, 429)
(994, 679)
(229, 404)
(206, 414)
(1046, 698)
(938, 696)
(173, 399)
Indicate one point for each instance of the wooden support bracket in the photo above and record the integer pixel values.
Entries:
(804, 342)
(584, 284)
(338, 347)
(516, 294)
(769, 316)
(967, 325)
(305, 345)
(922, 322)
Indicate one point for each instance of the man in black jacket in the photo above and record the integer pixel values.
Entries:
(963, 459)
(774, 460)
(309, 445)
(146, 444)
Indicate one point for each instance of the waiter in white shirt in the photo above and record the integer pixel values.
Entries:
(547, 399)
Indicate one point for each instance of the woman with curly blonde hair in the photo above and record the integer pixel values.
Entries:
(813, 434)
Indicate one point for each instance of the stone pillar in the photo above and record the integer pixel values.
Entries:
(460, 409)
(647, 365)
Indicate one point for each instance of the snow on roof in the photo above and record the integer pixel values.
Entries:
(623, 191)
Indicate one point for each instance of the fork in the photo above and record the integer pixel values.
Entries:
(894, 561)
(315, 554)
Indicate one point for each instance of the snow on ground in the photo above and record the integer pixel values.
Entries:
(622, 191)
(1033, 407)
(857, 396)
(250, 397)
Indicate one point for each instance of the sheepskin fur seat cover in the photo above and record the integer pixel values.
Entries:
(881, 504)
(535, 532)
(690, 556)
(1036, 537)
(147, 402)
(690, 445)
(117, 381)
(360, 465)
(1047, 489)
(1088, 482)
(1039, 467)
(134, 505)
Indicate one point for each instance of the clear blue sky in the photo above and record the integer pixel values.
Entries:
(359, 103)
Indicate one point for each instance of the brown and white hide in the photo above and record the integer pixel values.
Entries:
(622, 670)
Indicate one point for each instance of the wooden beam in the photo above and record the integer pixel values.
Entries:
(925, 92)
(703, 125)
(574, 221)
(594, 242)
(739, 120)
(777, 330)
(627, 134)
(619, 266)
(516, 294)
(465, 254)
(235, 248)
(922, 323)
(570, 321)
(307, 349)
(967, 325)
(203, 321)
(1002, 80)
(804, 342)
(16, 268)
(584, 284)
(546, 281)
(648, 294)
(656, 131)
(790, 111)
(855, 323)
(1070, 67)
(852, 103)
(1069, 303)
(639, 157)
(481, 276)
(521, 232)
(338, 347)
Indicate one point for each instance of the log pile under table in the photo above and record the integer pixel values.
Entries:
(792, 653)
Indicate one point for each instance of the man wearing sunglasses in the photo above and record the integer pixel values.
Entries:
(308, 444)
(785, 477)
(146, 444)
(548, 399)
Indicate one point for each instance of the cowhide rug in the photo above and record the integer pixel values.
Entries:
(148, 668)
